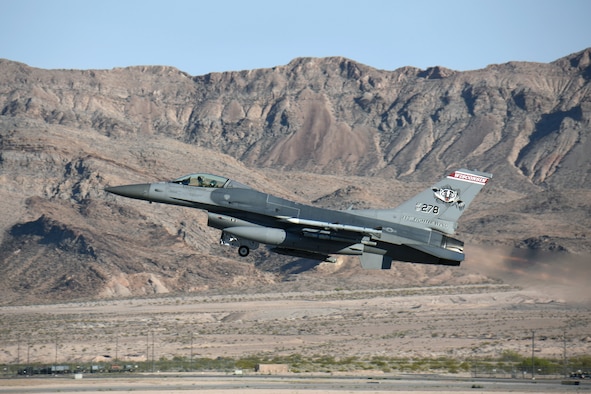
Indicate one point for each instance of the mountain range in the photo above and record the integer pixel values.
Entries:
(325, 131)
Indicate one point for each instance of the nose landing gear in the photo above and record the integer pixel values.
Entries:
(243, 250)
(244, 245)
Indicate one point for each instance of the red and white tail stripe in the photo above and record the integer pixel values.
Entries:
(467, 177)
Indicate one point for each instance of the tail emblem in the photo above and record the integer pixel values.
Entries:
(449, 196)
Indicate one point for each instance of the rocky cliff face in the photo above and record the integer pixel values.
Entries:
(313, 130)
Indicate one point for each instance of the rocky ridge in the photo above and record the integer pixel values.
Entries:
(330, 130)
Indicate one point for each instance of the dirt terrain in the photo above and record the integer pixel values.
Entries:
(463, 322)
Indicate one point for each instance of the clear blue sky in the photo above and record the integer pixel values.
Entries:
(216, 35)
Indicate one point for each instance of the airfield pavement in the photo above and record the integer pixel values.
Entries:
(292, 384)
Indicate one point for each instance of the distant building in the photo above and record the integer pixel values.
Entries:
(272, 369)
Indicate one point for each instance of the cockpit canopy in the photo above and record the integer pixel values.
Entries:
(208, 180)
(202, 180)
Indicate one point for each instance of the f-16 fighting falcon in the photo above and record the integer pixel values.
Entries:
(417, 231)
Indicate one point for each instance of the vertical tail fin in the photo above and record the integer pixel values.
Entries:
(440, 206)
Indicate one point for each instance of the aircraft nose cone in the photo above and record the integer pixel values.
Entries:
(139, 191)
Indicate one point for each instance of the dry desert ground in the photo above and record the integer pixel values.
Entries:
(462, 322)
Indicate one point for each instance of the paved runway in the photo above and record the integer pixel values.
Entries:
(288, 384)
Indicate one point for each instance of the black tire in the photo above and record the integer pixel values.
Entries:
(243, 251)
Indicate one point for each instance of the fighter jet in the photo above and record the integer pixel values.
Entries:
(417, 231)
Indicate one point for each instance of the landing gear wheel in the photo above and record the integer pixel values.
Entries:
(243, 251)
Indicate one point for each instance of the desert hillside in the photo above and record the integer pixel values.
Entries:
(329, 131)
